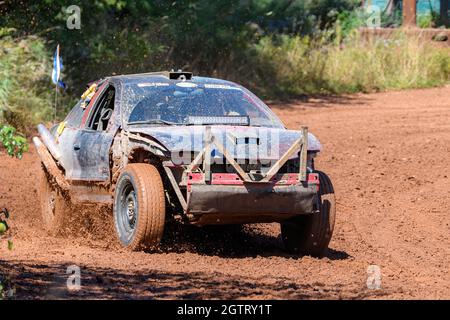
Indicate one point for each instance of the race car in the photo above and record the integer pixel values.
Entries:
(165, 146)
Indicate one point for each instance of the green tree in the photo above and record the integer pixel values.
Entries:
(209, 37)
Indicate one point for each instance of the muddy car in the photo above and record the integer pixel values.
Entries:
(172, 146)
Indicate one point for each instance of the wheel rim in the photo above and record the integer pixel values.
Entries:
(127, 212)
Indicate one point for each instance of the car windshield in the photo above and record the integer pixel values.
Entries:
(190, 103)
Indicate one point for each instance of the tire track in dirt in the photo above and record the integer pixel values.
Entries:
(388, 156)
(396, 145)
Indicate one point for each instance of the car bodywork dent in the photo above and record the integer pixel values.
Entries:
(85, 154)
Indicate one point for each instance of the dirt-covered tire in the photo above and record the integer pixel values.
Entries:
(53, 205)
(311, 234)
(139, 207)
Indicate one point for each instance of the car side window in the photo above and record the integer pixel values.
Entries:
(102, 111)
(75, 116)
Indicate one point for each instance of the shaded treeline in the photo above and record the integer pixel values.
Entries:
(207, 37)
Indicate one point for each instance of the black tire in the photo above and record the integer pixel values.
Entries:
(53, 205)
(311, 234)
(139, 207)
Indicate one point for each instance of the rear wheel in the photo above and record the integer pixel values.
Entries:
(53, 205)
(139, 207)
(311, 234)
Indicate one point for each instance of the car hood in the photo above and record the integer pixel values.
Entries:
(241, 141)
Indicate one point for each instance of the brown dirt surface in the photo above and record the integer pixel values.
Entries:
(388, 155)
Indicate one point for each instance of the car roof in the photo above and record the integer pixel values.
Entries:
(164, 76)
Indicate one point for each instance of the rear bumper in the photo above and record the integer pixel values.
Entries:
(238, 202)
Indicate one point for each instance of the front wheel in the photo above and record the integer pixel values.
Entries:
(311, 234)
(139, 207)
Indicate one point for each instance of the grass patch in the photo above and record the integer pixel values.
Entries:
(301, 65)
(277, 67)
(26, 90)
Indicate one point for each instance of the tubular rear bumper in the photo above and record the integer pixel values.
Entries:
(227, 200)
(244, 197)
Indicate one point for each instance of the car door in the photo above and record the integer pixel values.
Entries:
(93, 140)
(65, 137)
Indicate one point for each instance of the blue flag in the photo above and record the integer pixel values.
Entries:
(57, 67)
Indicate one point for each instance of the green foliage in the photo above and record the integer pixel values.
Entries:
(6, 289)
(398, 63)
(431, 19)
(425, 21)
(15, 144)
(275, 47)
(24, 81)
(4, 215)
(350, 21)
(26, 90)
(142, 35)
(301, 65)
(393, 20)
(327, 11)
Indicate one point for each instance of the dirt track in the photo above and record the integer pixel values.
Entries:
(389, 157)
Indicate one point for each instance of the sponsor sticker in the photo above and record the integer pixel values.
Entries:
(153, 84)
(220, 86)
(186, 84)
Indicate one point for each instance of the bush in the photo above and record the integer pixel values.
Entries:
(15, 144)
(25, 85)
(398, 63)
(134, 36)
(275, 47)
(301, 65)
(27, 94)
(426, 20)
